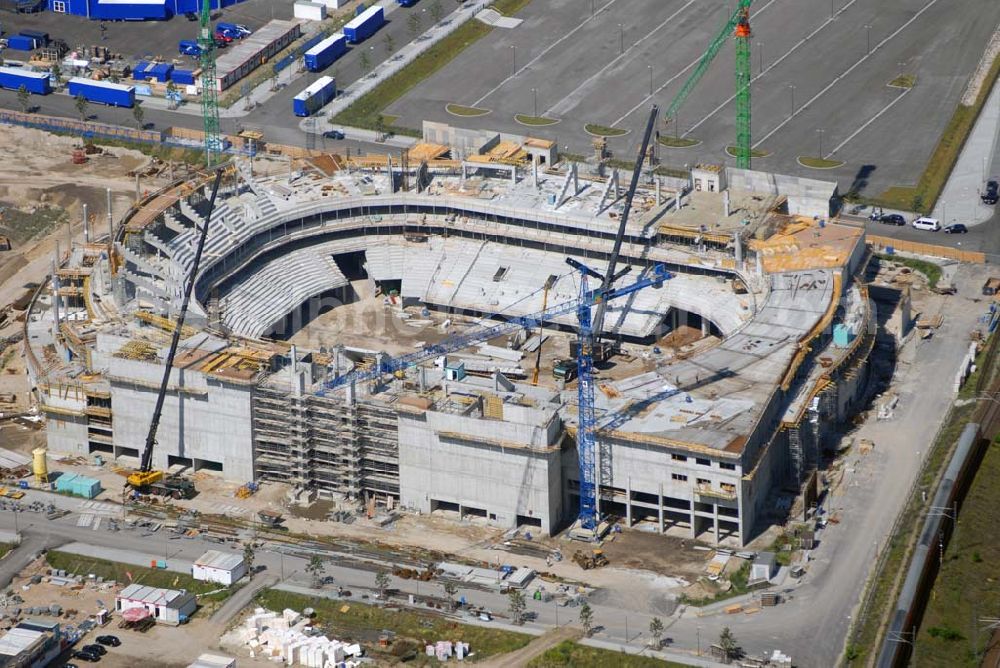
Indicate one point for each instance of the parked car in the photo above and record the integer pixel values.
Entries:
(220, 43)
(191, 16)
(925, 223)
(892, 219)
(99, 650)
(110, 641)
(224, 36)
(246, 32)
(188, 47)
(992, 193)
(333, 134)
(84, 655)
(955, 228)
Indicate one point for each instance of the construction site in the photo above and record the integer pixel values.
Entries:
(413, 333)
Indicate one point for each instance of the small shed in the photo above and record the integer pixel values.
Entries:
(764, 567)
(78, 485)
(167, 606)
(213, 661)
(225, 568)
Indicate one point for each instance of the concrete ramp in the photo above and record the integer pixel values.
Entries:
(495, 19)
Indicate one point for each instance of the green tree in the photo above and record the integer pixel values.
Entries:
(274, 76)
(380, 128)
(138, 114)
(727, 642)
(248, 555)
(316, 567)
(81, 106)
(390, 44)
(450, 589)
(436, 10)
(56, 72)
(586, 618)
(171, 93)
(918, 203)
(365, 62)
(656, 631)
(23, 98)
(382, 583)
(516, 606)
(414, 25)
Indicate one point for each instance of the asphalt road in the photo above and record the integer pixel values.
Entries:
(581, 74)
(984, 237)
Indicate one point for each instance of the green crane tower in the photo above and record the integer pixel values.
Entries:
(738, 26)
(209, 93)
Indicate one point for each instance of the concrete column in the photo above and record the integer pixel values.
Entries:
(659, 505)
(111, 221)
(694, 518)
(534, 171)
(715, 519)
(55, 294)
(658, 192)
(738, 249)
(350, 394)
(725, 203)
(513, 175)
(576, 181)
(704, 327)
(293, 367)
(69, 236)
(86, 226)
(628, 502)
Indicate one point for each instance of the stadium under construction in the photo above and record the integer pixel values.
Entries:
(725, 384)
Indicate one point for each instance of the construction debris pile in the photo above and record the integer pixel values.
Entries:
(290, 637)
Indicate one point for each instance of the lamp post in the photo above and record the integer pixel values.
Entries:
(621, 39)
(791, 88)
(650, 68)
(760, 58)
(868, 38)
(513, 60)
(534, 97)
(820, 132)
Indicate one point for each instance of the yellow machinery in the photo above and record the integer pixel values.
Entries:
(549, 282)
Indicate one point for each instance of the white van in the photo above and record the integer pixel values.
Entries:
(925, 223)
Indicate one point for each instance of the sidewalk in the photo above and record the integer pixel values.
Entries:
(959, 201)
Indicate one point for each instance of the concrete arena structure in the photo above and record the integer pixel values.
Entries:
(697, 439)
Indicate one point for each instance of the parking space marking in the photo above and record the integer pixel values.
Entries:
(846, 72)
(547, 49)
(868, 122)
(566, 104)
(646, 99)
(777, 62)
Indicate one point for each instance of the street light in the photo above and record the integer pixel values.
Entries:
(820, 131)
(534, 97)
(513, 60)
(650, 68)
(791, 88)
(868, 38)
(621, 39)
(760, 58)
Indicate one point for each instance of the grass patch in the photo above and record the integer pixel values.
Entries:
(153, 577)
(754, 152)
(363, 623)
(569, 653)
(904, 81)
(364, 112)
(461, 110)
(929, 269)
(603, 130)
(924, 195)
(5, 549)
(21, 226)
(677, 142)
(534, 121)
(966, 584)
(818, 163)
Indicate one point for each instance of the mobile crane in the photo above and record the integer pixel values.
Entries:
(146, 479)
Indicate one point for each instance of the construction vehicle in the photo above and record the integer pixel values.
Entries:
(147, 480)
(595, 559)
(564, 369)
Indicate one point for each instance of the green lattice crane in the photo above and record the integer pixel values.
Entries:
(209, 92)
(738, 26)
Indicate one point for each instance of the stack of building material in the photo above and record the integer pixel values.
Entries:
(288, 637)
(444, 649)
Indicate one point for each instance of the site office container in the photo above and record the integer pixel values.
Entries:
(41, 38)
(21, 43)
(326, 52)
(35, 82)
(314, 97)
(364, 25)
(102, 92)
(184, 77)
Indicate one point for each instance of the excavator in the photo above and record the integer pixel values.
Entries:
(147, 480)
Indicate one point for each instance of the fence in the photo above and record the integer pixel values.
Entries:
(280, 65)
(86, 129)
(917, 248)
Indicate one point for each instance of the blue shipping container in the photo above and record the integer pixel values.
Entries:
(21, 43)
(364, 25)
(15, 77)
(310, 100)
(41, 38)
(183, 77)
(139, 71)
(323, 54)
(161, 72)
(102, 92)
